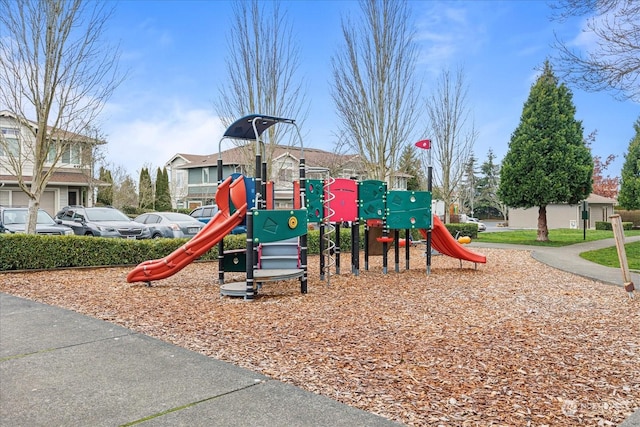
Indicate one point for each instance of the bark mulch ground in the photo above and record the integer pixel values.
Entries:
(513, 343)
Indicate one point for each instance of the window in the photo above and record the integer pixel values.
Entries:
(70, 155)
(180, 178)
(285, 175)
(10, 144)
(205, 175)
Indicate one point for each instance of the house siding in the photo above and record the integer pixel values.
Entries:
(564, 216)
(68, 178)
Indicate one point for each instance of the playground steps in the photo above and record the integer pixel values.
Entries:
(283, 254)
(239, 289)
(278, 260)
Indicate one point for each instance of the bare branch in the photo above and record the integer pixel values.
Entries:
(452, 132)
(56, 67)
(262, 66)
(613, 61)
(373, 86)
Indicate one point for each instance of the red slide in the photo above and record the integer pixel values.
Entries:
(215, 230)
(445, 243)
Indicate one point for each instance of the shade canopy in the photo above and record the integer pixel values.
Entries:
(243, 128)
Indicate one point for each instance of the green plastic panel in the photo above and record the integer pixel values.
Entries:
(274, 225)
(408, 209)
(314, 191)
(235, 261)
(371, 199)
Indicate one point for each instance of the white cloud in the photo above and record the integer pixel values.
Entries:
(152, 141)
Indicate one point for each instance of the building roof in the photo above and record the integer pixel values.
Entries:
(58, 178)
(57, 133)
(235, 156)
(597, 199)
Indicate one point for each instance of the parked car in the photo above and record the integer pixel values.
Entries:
(170, 224)
(101, 222)
(205, 213)
(14, 220)
(481, 225)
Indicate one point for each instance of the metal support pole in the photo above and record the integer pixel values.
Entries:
(337, 249)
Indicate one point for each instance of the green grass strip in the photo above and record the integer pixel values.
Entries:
(609, 256)
(557, 237)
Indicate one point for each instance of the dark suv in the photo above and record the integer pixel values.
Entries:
(101, 222)
(14, 220)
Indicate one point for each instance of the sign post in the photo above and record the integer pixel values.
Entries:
(425, 144)
(585, 219)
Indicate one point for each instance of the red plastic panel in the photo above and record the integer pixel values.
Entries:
(345, 202)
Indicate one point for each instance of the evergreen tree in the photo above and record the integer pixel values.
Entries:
(163, 197)
(105, 193)
(488, 202)
(410, 164)
(145, 200)
(468, 189)
(629, 196)
(548, 161)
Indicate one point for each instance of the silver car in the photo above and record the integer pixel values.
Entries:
(14, 220)
(170, 224)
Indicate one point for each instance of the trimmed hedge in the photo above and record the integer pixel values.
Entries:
(606, 225)
(630, 216)
(35, 252)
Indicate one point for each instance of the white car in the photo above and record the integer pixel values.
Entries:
(481, 226)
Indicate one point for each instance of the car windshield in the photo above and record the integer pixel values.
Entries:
(19, 216)
(105, 214)
(44, 218)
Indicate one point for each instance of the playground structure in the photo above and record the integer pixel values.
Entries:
(276, 241)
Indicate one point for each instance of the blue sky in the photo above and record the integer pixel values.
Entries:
(175, 53)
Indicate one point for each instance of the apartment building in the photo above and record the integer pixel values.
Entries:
(71, 183)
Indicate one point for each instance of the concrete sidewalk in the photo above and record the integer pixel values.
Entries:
(60, 368)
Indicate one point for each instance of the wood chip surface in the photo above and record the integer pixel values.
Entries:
(513, 343)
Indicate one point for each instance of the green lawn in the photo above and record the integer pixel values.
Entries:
(609, 256)
(565, 236)
(557, 237)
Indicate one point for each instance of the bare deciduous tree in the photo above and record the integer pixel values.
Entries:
(613, 62)
(125, 192)
(56, 67)
(373, 85)
(262, 64)
(452, 133)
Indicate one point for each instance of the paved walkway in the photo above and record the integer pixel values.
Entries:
(567, 258)
(60, 368)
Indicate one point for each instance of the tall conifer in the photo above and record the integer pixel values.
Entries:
(548, 161)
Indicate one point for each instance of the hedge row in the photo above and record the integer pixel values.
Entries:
(630, 216)
(606, 225)
(29, 252)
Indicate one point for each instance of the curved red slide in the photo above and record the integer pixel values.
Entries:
(445, 243)
(211, 234)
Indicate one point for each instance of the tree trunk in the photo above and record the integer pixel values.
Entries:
(543, 231)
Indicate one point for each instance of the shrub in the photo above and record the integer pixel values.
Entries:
(17, 251)
(630, 216)
(463, 229)
(606, 225)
